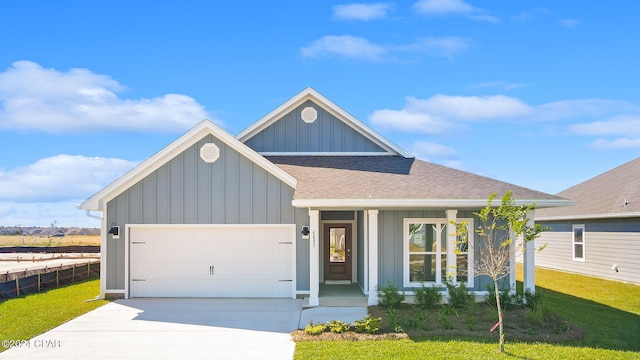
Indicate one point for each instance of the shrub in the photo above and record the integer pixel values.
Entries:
(367, 325)
(459, 295)
(469, 320)
(427, 297)
(533, 300)
(389, 297)
(444, 321)
(315, 329)
(337, 326)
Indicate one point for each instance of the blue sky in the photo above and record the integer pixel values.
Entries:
(543, 94)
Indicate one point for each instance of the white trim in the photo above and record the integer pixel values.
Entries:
(588, 216)
(528, 258)
(449, 254)
(314, 257)
(103, 256)
(354, 245)
(573, 242)
(127, 239)
(365, 236)
(206, 127)
(329, 106)
(327, 153)
(328, 204)
(373, 256)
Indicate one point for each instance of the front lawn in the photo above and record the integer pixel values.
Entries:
(28, 316)
(608, 311)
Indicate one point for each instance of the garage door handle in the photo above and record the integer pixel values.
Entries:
(138, 280)
(286, 243)
(285, 280)
(212, 270)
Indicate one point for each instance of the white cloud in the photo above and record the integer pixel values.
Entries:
(426, 150)
(499, 84)
(343, 46)
(44, 213)
(351, 47)
(453, 7)
(618, 125)
(583, 108)
(35, 98)
(446, 46)
(61, 177)
(407, 120)
(621, 143)
(442, 113)
(569, 23)
(361, 11)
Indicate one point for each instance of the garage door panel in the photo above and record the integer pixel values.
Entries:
(212, 261)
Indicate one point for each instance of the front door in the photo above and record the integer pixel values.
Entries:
(337, 252)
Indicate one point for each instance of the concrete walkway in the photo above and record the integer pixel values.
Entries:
(181, 329)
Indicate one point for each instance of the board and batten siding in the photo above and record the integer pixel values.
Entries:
(606, 243)
(390, 245)
(187, 190)
(326, 134)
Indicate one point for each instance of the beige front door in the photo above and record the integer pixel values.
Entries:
(337, 251)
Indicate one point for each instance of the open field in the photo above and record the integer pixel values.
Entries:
(18, 240)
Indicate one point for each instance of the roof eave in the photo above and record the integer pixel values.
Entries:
(418, 203)
(589, 216)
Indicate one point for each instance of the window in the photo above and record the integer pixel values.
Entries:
(426, 256)
(578, 242)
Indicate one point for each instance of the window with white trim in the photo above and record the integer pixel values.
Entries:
(426, 259)
(578, 243)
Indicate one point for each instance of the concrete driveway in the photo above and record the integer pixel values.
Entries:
(173, 329)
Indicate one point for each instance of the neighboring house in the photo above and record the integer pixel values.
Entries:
(600, 236)
(305, 195)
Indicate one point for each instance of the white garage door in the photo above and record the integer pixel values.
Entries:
(212, 261)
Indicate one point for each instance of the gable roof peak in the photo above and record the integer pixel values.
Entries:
(311, 94)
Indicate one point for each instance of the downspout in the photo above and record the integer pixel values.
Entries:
(89, 214)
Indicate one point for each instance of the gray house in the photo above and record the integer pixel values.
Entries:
(306, 195)
(600, 236)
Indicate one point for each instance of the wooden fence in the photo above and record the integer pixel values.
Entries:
(25, 282)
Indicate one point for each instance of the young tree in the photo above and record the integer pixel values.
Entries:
(503, 229)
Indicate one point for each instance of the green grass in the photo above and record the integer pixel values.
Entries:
(609, 311)
(25, 317)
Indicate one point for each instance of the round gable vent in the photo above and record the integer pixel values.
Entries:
(209, 152)
(309, 114)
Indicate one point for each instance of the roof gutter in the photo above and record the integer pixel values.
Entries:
(588, 216)
(417, 203)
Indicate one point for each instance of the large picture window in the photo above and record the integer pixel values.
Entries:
(431, 255)
(578, 243)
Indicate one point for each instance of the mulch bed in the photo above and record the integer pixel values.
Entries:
(473, 322)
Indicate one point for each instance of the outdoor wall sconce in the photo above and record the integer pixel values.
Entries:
(115, 231)
(305, 233)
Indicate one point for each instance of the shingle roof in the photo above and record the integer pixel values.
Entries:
(603, 194)
(391, 177)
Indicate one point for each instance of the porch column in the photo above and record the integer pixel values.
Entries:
(372, 218)
(452, 265)
(529, 258)
(512, 262)
(314, 257)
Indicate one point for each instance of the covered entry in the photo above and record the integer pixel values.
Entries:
(211, 261)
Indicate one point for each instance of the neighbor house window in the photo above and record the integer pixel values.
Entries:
(425, 253)
(578, 242)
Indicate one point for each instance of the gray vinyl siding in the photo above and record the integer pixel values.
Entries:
(326, 134)
(187, 190)
(606, 242)
(390, 243)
